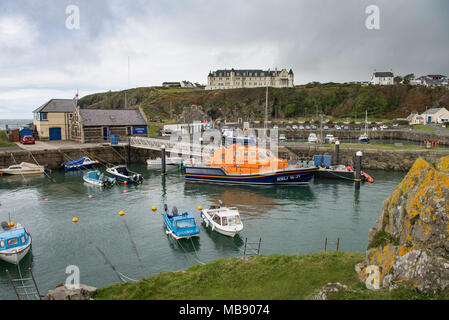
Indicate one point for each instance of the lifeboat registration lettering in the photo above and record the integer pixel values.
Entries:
(286, 178)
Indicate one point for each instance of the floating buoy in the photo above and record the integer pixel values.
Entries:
(46, 199)
(125, 191)
(200, 208)
(90, 196)
(126, 182)
(75, 220)
(11, 224)
(154, 208)
(122, 213)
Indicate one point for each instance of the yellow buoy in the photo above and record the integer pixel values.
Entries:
(154, 208)
(122, 213)
(200, 208)
(75, 220)
(11, 224)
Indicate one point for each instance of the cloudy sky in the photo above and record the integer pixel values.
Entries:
(321, 40)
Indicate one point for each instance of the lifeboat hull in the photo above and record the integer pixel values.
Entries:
(281, 177)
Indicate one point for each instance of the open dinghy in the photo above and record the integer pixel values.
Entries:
(98, 179)
(121, 173)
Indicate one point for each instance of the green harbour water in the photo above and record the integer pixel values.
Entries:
(289, 219)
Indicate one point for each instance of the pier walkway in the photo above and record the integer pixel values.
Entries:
(185, 148)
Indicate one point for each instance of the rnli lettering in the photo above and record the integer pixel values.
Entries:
(288, 178)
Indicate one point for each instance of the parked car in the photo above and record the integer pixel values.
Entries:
(307, 127)
(337, 127)
(346, 128)
(295, 127)
(374, 128)
(312, 138)
(395, 125)
(301, 127)
(275, 127)
(325, 127)
(27, 140)
(356, 128)
(329, 138)
(384, 127)
(313, 127)
(288, 127)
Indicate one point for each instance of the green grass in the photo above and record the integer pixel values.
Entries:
(4, 142)
(422, 127)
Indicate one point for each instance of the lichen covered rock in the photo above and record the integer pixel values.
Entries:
(411, 240)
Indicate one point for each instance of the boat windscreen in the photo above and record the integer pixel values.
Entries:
(233, 220)
(185, 223)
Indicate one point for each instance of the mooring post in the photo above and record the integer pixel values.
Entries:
(338, 243)
(163, 159)
(358, 168)
(337, 152)
(325, 244)
(128, 153)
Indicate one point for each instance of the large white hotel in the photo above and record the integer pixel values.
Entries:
(232, 79)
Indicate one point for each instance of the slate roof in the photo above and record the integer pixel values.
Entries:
(57, 105)
(433, 111)
(410, 117)
(254, 72)
(383, 74)
(103, 117)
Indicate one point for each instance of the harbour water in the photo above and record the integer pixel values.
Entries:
(14, 123)
(288, 219)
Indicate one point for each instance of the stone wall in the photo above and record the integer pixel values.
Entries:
(53, 158)
(396, 160)
(416, 136)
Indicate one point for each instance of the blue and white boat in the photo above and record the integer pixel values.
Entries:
(80, 163)
(364, 137)
(98, 179)
(15, 242)
(121, 173)
(180, 226)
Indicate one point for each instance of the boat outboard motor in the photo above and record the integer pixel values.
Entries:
(5, 226)
(174, 211)
(220, 202)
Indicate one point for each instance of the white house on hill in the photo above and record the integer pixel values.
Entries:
(382, 78)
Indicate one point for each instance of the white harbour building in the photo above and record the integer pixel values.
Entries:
(249, 78)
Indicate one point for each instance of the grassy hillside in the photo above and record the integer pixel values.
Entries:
(337, 100)
(275, 277)
(4, 142)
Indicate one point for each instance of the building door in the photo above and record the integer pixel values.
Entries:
(429, 119)
(105, 134)
(55, 133)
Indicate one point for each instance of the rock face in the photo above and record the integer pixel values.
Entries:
(64, 293)
(331, 288)
(410, 243)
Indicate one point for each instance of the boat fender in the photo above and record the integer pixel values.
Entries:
(213, 227)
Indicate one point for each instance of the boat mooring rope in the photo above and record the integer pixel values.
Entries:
(133, 245)
(26, 181)
(119, 274)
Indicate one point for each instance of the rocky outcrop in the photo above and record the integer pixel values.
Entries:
(64, 293)
(331, 288)
(410, 243)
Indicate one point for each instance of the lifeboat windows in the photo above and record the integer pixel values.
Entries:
(13, 241)
(2, 243)
(224, 221)
(216, 219)
(253, 154)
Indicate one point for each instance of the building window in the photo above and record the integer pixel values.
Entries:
(44, 116)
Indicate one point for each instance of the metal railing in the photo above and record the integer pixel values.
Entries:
(191, 149)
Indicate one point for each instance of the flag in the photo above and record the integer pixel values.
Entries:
(75, 98)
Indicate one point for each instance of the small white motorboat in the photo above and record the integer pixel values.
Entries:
(121, 173)
(224, 220)
(15, 242)
(23, 168)
(97, 178)
(170, 163)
